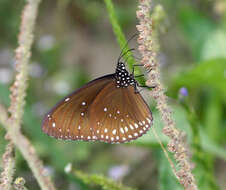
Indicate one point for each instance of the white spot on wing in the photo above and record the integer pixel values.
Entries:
(67, 99)
(122, 130)
(135, 134)
(83, 103)
(54, 124)
(82, 114)
(136, 126)
(149, 121)
(126, 129)
(114, 132)
(131, 127)
(105, 109)
(105, 130)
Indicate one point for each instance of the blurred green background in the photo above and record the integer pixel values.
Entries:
(74, 43)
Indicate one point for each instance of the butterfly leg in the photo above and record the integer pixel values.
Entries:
(145, 86)
(135, 88)
(141, 86)
(139, 75)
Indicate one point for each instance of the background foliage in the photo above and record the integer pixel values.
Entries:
(74, 43)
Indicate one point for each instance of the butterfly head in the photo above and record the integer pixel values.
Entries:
(121, 66)
(123, 78)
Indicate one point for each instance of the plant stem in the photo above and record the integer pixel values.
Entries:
(8, 168)
(18, 93)
(121, 39)
(148, 53)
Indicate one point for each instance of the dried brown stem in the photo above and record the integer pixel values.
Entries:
(18, 93)
(176, 144)
(23, 54)
(34, 162)
(8, 163)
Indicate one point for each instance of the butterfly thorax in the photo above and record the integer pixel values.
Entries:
(123, 77)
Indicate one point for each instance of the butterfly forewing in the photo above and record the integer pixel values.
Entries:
(69, 119)
(119, 114)
(107, 109)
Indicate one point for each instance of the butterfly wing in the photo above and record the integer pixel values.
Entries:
(119, 114)
(69, 118)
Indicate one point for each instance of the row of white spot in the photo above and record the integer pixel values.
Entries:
(122, 130)
(114, 131)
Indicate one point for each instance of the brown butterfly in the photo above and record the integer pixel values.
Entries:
(108, 109)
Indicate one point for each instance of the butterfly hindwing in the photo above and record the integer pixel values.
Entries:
(119, 114)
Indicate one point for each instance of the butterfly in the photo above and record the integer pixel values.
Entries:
(108, 109)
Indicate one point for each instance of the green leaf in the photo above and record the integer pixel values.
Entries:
(214, 46)
(207, 74)
(196, 27)
(211, 147)
(121, 38)
(4, 95)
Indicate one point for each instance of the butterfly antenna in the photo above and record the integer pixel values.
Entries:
(122, 54)
(125, 53)
(135, 57)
